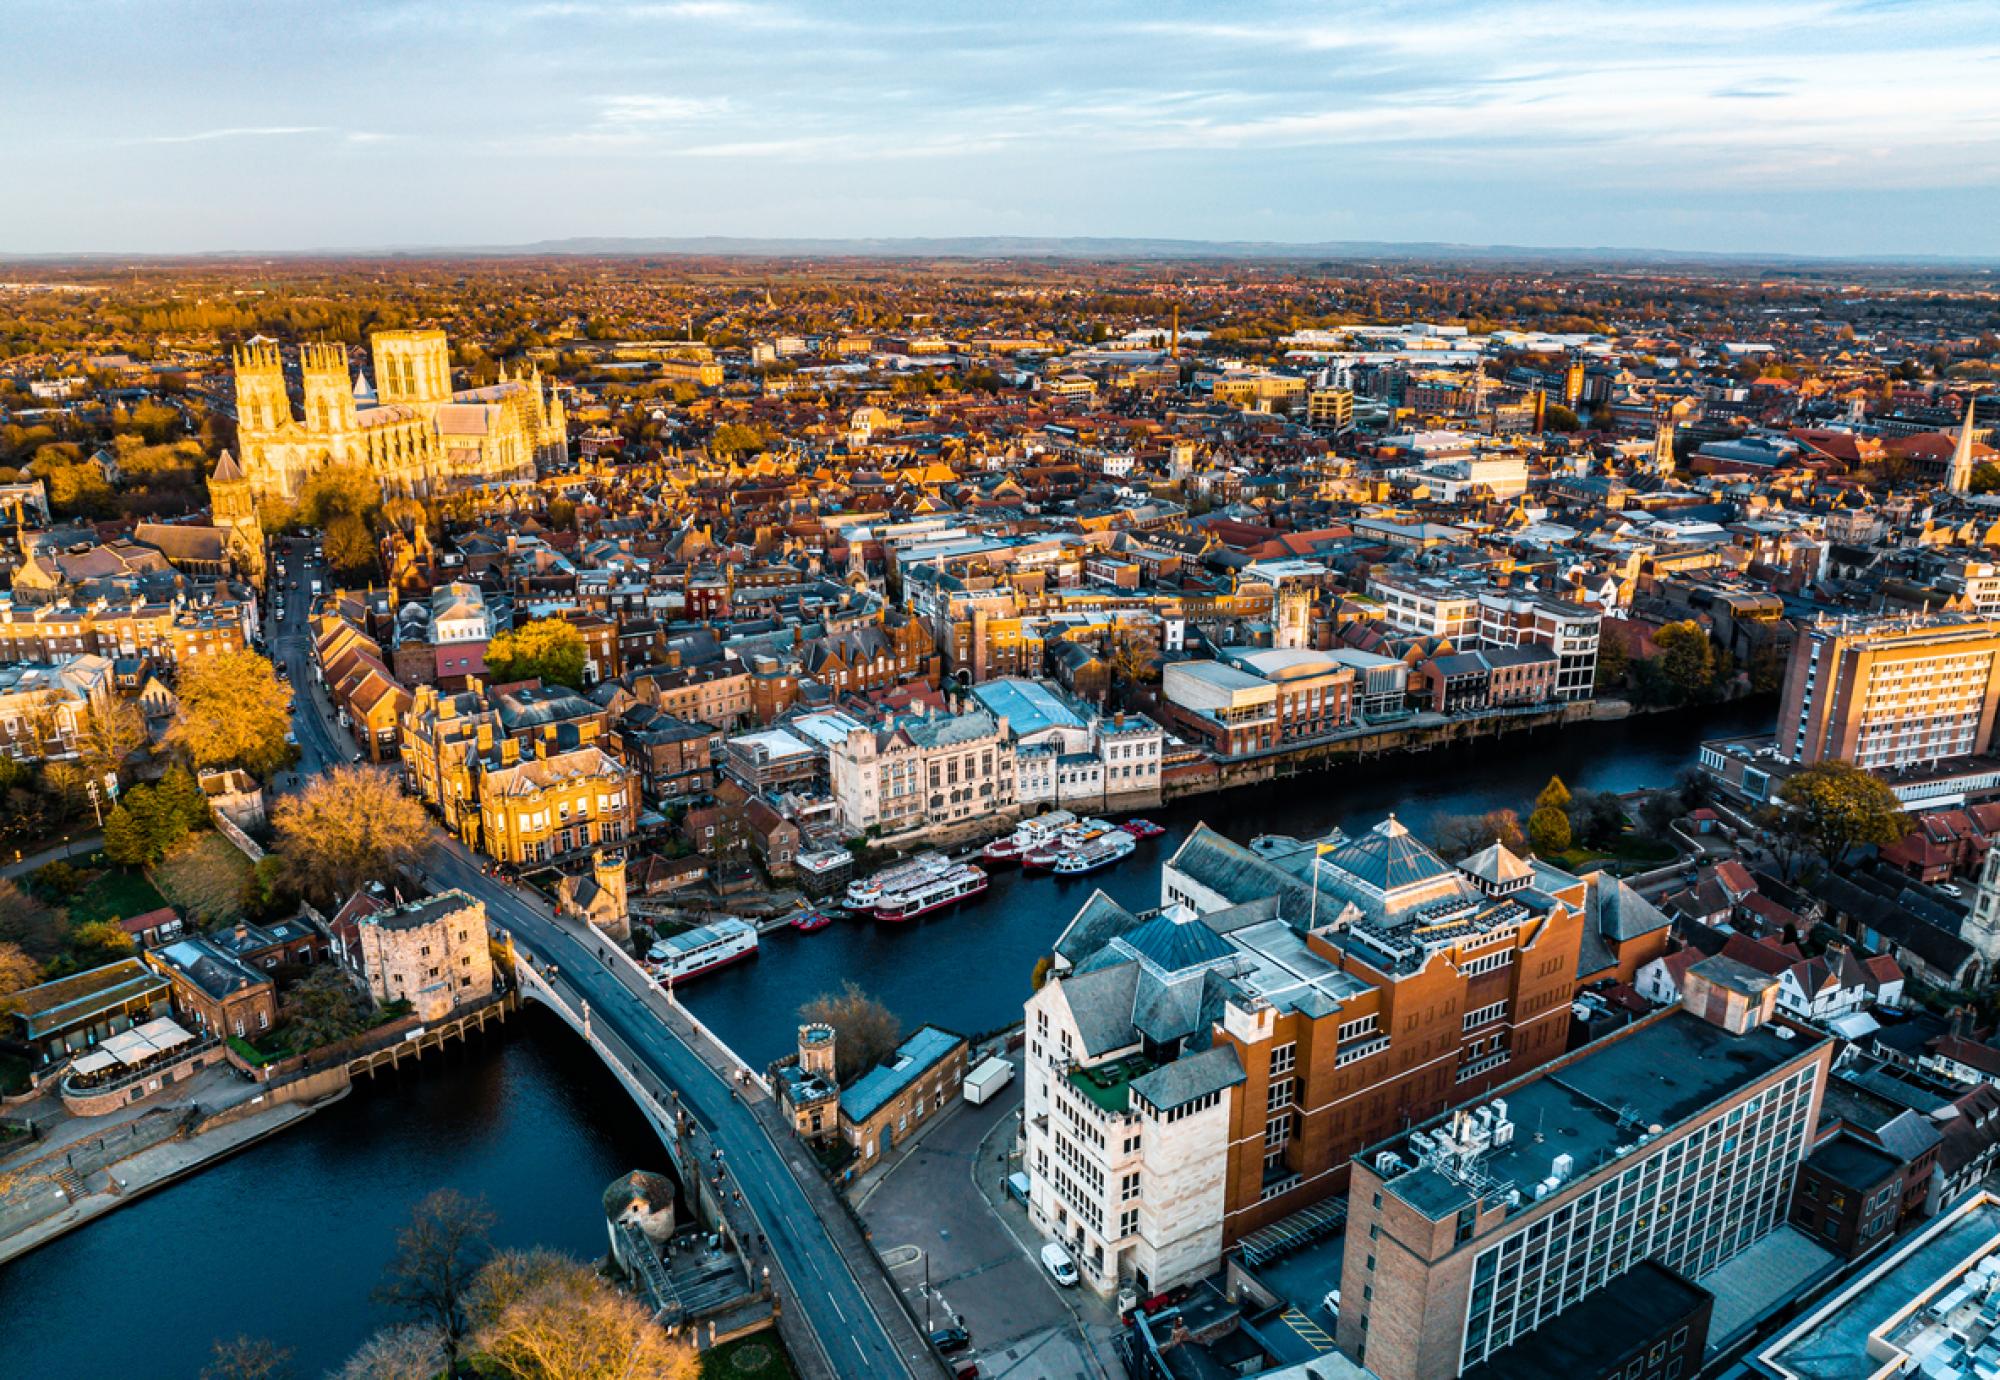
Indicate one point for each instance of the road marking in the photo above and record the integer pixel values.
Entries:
(1310, 1332)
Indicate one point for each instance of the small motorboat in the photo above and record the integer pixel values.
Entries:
(1143, 828)
(808, 921)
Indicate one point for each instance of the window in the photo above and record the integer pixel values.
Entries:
(1284, 1058)
(1279, 1094)
(1494, 1011)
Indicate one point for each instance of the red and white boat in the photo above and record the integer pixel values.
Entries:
(678, 957)
(931, 895)
(1064, 843)
(1143, 828)
(1031, 835)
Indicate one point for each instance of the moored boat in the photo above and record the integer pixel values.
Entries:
(1113, 848)
(678, 957)
(932, 894)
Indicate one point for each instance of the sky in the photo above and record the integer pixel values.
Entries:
(1833, 127)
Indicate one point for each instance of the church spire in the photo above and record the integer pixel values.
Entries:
(1958, 476)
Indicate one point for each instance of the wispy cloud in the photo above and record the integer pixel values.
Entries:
(231, 132)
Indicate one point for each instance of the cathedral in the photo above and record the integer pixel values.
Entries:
(418, 437)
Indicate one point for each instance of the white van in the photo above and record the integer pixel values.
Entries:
(1060, 1267)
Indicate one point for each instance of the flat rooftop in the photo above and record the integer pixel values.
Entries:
(1658, 1073)
(1832, 1344)
(1109, 1085)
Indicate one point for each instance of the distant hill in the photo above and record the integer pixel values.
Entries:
(1061, 247)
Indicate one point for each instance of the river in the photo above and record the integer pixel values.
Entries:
(286, 1239)
(968, 969)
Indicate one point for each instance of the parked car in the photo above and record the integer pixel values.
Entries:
(1951, 888)
(950, 1339)
(1060, 1267)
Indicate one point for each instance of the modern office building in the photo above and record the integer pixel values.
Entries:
(1890, 692)
(1675, 1140)
(1201, 1071)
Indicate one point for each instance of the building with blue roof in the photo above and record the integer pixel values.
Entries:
(893, 1102)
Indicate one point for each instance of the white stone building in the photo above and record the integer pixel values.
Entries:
(922, 771)
(430, 952)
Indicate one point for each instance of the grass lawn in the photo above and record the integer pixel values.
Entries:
(204, 877)
(113, 894)
(759, 1356)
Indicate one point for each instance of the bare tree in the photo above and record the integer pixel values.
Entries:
(249, 1358)
(436, 1255)
(410, 1352)
(542, 1316)
(351, 826)
(865, 1032)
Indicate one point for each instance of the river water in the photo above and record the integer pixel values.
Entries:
(968, 969)
(286, 1239)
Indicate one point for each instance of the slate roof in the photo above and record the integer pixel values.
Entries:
(1388, 857)
(1189, 1077)
(1175, 944)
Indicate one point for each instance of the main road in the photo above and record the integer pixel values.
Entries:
(795, 1209)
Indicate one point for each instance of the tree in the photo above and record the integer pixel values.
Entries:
(234, 713)
(436, 1255)
(865, 1032)
(147, 823)
(1548, 831)
(350, 548)
(1556, 417)
(17, 970)
(249, 1358)
(1043, 967)
(542, 1316)
(1460, 836)
(1597, 819)
(1554, 796)
(180, 800)
(98, 942)
(337, 491)
(110, 731)
(1985, 478)
(352, 825)
(409, 1352)
(547, 648)
(323, 1008)
(64, 784)
(1687, 660)
(1613, 661)
(1836, 807)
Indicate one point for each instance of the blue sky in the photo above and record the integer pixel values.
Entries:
(1810, 126)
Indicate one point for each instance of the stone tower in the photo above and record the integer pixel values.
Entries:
(412, 367)
(328, 394)
(1663, 445)
(608, 870)
(1294, 625)
(261, 403)
(816, 1050)
(1573, 380)
(231, 504)
(1981, 929)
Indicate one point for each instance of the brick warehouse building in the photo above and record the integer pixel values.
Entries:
(1201, 1071)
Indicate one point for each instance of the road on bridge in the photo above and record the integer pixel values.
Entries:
(823, 1288)
(796, 1210)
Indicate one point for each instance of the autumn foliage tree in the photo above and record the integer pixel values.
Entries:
(539, 1315)
(350, 826)
(547, 648)
(234, 713)
(1835, 807)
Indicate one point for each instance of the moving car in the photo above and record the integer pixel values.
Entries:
(1060, 1267)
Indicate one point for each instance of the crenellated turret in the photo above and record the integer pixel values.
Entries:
(329, 397)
